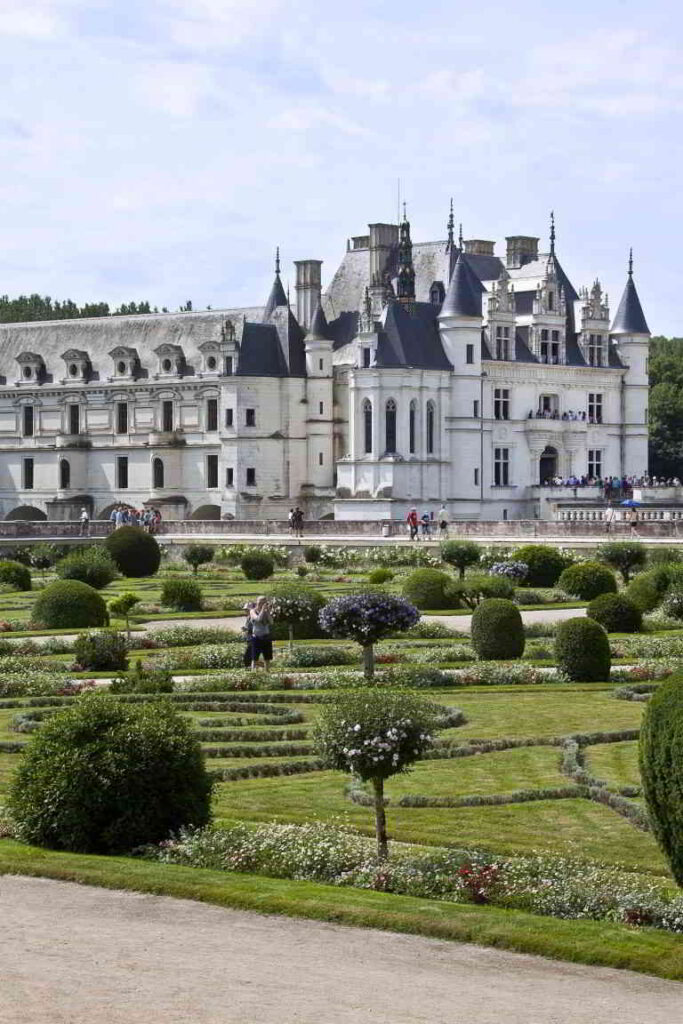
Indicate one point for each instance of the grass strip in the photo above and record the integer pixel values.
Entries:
(588, 942)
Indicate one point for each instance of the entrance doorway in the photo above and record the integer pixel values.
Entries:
(548, 464)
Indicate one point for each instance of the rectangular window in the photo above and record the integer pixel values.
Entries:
(230, 477)
(251, 476)
(595, 350)
(228, 366)
(122, 472)
(28, 421)
(74, 419)
(505, 515)
(469, 354)
(366, 357)
(212, 414)
(476, 476)
(595, 463)
(212, 471)
(229, 417)
(501, 467)
(594, 407)
(475, 408)
(502, 342)
(250, 417)
(320, 458)
(167, 417)
(320, 408)
(411, 428)
(321, 365)
(28, 474)
(122, 417)
(501, 404)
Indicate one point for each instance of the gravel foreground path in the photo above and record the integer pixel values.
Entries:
(72, 954)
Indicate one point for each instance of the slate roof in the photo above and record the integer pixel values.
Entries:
(319, 329)
(463, 297)
(630, 318)
(261, 354)
(276, 298)
(410, 337)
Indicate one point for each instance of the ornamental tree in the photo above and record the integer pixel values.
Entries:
(121, 607)
(624, 556)
(198, 554)
(461, 554)
(367, 618)
(296, 605)
(374, 734)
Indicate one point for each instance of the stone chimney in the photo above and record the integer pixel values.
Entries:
(308, 290)
(478, 247)
(521, 249)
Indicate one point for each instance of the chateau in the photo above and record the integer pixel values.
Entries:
(426, 373)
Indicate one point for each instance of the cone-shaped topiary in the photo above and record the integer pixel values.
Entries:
(582, 650)
(661, 769)
(425, 588)
(616, 613)
(497, 630)
(587, 580)
(135, 552)
(69, 604)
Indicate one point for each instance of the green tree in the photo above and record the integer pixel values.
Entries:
(198, 554)
(666, 406)
(122, 606)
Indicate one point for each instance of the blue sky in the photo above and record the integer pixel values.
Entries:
(160, 149)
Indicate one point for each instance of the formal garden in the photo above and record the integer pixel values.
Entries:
(440, 745)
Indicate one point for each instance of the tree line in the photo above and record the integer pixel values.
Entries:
(666, 407)
(41, 307)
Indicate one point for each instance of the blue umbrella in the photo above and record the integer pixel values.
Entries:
(631, 503)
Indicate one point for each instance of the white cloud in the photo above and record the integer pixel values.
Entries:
(176, 88)
(33, 19)
(223, 24)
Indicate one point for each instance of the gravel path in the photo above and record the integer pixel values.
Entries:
(77, 955)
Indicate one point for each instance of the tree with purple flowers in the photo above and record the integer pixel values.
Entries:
(367, 618)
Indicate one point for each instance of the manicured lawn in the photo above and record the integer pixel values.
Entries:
(616, 763)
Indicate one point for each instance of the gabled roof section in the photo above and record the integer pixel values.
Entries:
(260, 352)
(463, 297)
(410, 337)
(319, 329)
(630, 318)
(291, 338)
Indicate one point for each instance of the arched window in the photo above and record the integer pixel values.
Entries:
(431, 415)
(157, 474)
(64, 474)
(390, 425)
(367, 426)
(412, 424)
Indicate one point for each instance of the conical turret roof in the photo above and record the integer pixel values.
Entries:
(319, 330)
(463, 297)
(630, 318)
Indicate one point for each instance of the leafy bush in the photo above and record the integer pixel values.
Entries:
(544, 562)
(43, 556)
(69, 604)
(474, 589)
(302, 570)
(15, 575)
(184, 595)
(367, 618)
(497, 630)
(673, 602)
(198, 554)
(296, 607)
(616, 613)
(234, 553)
(664, 555)
(646, 590)
(516, 571)
(122, 606)
(460, 554)
(661, 769)
(582, 650)
(143, 680)
(624, 556)
(312, 553)
(257, 566)
(425, 588)
(380, 575)
(104, 650)
(92, 565)
(587, 580)
(105, 777)
(318, 657)
(135, 552)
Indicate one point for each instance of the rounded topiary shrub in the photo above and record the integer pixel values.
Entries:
(93, 565)
(105, 777)
(257, 566)
(661, 769)
(545, 564)
(105, 650)
(69, 604)
(312, 553)
(135, 552)
(616, 613)
(582, 650)
(497, 630)
(587, 580)
(184, 595)
(426, 588)
(645, 591)
(379, 576)
(16, 575)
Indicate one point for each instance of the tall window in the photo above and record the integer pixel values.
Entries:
(74, 419)
(27, 424)
(501, 403)
(229, 417)
(595, 350)
(502, 342)
(366, 357)
(501, 467)
(122, 417)
(251, 476)
(321, 458)
(431, 414)
(595, 407)
(412, 425)
(250, 417)
(64, 474)
(167, 417)
(122, 472)
(229, 477)
(595, 463)
(476, 476)
(367, 426)
(27, 474)
(390, 425)
(469, 354)
(157, 474)
(212, 414)
(212, 471)
(475, 408)
(228, 366)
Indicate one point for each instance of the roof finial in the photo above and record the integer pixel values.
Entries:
(277, 261)
(405, 215)
(451, 225)
(460, 242)
(552, 232)
(630, 262)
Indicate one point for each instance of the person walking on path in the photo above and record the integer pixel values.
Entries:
(248, 630)
(262, 641)
(426, 521)
(411, 520)
(442, 518)
(85, 522)
(608, 518)
(633, 520)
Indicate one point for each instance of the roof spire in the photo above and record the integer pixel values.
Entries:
(460, 242)
(552, 232)
(630, 318)
(405, 215)
(630, 262)
(277, 295)
(277, 261)
(405, 284)
(451, 225)
(463, 298)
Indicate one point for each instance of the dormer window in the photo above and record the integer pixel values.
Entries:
(77, 364)
(126, 362)
(437, 293)
(31, 368)
(171, 360)
(219, 356)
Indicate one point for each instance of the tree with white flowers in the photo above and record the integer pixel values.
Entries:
(367, 618)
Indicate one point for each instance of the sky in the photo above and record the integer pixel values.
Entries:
(161, 149)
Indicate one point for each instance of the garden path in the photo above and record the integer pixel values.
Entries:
(76, 954)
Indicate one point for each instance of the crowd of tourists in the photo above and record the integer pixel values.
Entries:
(424, 525)
(612, 486)
(148, 519)
(295, 519)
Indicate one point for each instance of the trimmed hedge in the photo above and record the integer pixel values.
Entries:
(184, 595)
(426, 588)
(545, 564)
(257, 566)
(616, 613)
(661, 769)
(135, 552)
(582, 650)
(497, 630)
(649, 588)
(587, 580)
(472, 590)
(379, 576)
(69, 604)
(93, 565)
(15, 575)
